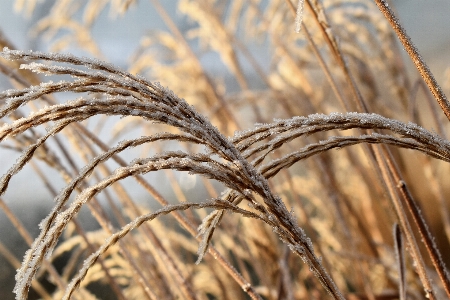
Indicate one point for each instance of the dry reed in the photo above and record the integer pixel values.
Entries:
(334, 79)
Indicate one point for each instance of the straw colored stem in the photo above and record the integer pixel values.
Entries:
(416, 58)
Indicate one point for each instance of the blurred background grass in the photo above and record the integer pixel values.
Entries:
(117, 38)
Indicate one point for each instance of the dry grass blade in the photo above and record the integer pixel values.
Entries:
(157, 104)
(113, 239)
(427, 76)
(250, 125)
(399, 248)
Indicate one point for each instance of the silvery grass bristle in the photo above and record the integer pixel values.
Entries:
(154, 103)
(269, 191)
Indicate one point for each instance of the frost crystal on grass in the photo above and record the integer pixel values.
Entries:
(299, 16)
(244, 165)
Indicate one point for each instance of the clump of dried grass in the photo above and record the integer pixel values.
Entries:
(274, 189)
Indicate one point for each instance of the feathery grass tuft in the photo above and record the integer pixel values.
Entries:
(241, 166)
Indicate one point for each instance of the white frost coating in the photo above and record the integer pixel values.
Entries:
(299, 16)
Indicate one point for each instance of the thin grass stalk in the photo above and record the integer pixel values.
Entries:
(20, 227)
(438, 150)
(181, 38)
(320, 58)
(11, 258)
(178, 191)
(114, 285)
(334, 194)
(403, 219)
(334, 48)
(340, 201)
(231, 60)
(60, 282)
(72, 262)
(286, 281)
(326, 70)
(367, 230)
(436, 91)
(308, 225)
(416, 58)
(307, 88)
(423, 229)
(141, 278)
(398, 246)
(324, 27)
(160, 250)
(243, 283)
(439, 194)
(433, 108)
(248, 55)
(82, 233)
(113, 239)
(426, 237)
(16, 223)
(101, 218)
(62, 169)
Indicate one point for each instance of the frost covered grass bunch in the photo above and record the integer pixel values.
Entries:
(274, 213)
